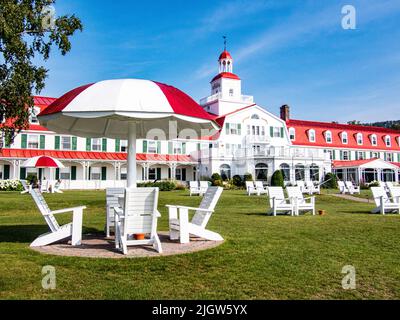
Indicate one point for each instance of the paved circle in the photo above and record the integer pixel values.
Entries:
(100, 247)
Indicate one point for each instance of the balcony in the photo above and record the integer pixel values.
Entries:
(217, 96)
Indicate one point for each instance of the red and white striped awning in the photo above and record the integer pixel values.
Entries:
(103, 109)
(42, 162)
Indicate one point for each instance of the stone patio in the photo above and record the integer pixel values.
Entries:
(101, 247)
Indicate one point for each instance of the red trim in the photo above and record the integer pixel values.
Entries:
(65, 100)
(225, 55)
(82, 155)
(226, 75)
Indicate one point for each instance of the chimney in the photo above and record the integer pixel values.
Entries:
(285, 113)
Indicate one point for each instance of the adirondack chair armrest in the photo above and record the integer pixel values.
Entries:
(67, 210)
(118, 211)
(189, 208)
(158, 214)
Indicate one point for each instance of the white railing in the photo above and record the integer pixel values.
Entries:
(214, 97)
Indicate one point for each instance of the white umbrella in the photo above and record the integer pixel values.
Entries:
(125, 109)
(42, 162)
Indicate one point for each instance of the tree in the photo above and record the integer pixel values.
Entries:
(28, 31)
(330, 181)
(277, 179)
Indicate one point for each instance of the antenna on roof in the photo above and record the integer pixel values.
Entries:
(224, 42)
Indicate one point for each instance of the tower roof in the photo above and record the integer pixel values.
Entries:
(225, 55)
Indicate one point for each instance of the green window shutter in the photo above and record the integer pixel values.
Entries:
(22, 173)
(184, 148)
(198, 147)
(144, 146)
(227, 128)
(158, 173)
(57, 142)
(334, 154)
(365, 155)
(282, 133)
(57, 173)
(239, 129)
(103, 173)
(271, 131)
(6, 173)
(356, 155)
(350, 155)
(158, 147)
(73, 173)
(42, 142)
(88, 144)
(117, 145)
(74, 143)
(90, 173)
(170, 149)
(24, 141)
(104, 145)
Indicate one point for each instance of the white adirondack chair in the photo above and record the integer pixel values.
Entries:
(181, 228)
(301, 203)
(57, 233)
(260, 188)
(57, 187)
(203, 187)
(302, 185)
(112, 200)
(342, 187)
(251, 189)
(194, 188)
(383, 202)
(278, 202)
(44, 186)
(27, 187)
(314, 189)
(139, 216)
(395, 194)
(352, 188)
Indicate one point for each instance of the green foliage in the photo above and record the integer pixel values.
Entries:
(216, 180)
(277, 179)
(32, 179)
(162, 185)
(330, 181)
(26, 39)
(247, 177)
(237, 181)
(11, 185)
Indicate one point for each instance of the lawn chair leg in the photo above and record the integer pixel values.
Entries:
(77, 227)
(157, 243)
(184, 225)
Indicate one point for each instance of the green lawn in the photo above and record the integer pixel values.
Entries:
(263, 257)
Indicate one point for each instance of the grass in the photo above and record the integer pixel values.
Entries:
(263, 257)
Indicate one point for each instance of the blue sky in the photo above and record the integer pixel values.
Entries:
(285, 51)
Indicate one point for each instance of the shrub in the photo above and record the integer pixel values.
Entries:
(216, 180)
(247, 177)
(277, 179)
(373, 184)
(10, 185)
(32, 179)
(162, 185)
(330, 181)
(237, 181)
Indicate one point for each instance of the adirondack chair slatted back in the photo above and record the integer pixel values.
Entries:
(140, 210)
(112, 200)
(249, 184)
(259, 184)
(204, 185)
(378, 193)
(295, 193)
(395, 193)
(45, 210)
(24, 185)
(389, 184)
(209, 202)
(300, 184)
(309, 184)
(341, 186)
(277, 194)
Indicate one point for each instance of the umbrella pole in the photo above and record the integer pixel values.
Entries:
(132, 155)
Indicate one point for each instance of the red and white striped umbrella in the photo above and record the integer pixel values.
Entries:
(126, 109)
(42, 162)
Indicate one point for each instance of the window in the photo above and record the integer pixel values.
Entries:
(2, 141)
(33, 115)
(124, 173)
(311, 135)
(95, 173)
(388, 141)
(124, 146)
(374, 155)
(66, 143)
(152, 174)
(255, 117)
(389, 157)
(374, 140)
(178, 148)
(292, 134)
(345, 155)
(233, 128)
(276, 132)
(314, 172)
(345, 139)
(300, 172)
(65, 173)
(96, 144)
(225, 171)
(330, 152)
(33, 141)
(359, 139)
(262, 172)
(152, 147)
(360, 155)
(328, 137)
(285, 168)
(231, 92)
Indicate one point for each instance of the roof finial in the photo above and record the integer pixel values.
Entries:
(224, 42)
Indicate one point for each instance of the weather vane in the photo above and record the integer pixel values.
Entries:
(224, 42)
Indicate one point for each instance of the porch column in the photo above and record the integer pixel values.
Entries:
(379, 173)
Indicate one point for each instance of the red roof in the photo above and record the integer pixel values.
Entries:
(225, 55)
(43, 102)
(351, 164)
(302, 130)
(226, 75)
(82, 155)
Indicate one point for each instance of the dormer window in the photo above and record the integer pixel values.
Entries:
(359, 137)
(255, 117)
(311, 135)
(328, 137)
(33, 116)
(374, 140)
(231, 92)
(388, 141)
(292, 134)
(345, 138)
